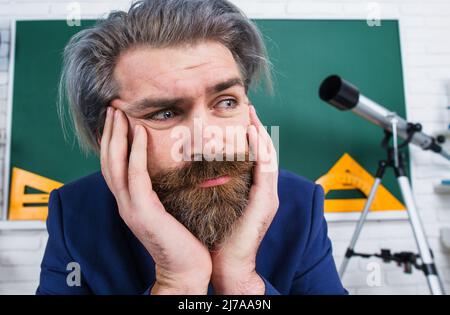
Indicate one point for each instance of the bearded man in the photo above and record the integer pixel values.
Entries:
(178, 207)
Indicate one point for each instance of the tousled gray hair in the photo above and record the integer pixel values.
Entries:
(87, 83)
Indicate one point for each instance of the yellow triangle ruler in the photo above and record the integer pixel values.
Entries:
(347, 174)
(31, 206)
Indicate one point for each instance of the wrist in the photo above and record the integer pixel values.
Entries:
(180, 289)
(237, 283)
(180, 284)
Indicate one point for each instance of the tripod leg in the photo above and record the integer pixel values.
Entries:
(426, 255)
(362, 218)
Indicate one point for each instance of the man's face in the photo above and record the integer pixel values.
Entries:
(199, 89)
(146, 74)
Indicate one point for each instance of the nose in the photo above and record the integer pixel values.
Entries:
(212, 137)
(206, 138)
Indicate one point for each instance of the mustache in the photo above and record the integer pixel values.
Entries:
(195, 172)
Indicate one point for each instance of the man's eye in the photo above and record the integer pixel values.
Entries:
(162, 115)
(227, 103)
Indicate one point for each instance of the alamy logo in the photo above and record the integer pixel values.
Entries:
(74, 14)
(374, 277)
(73, 279)
(373, 17)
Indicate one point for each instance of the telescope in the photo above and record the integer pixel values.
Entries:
(345, 96)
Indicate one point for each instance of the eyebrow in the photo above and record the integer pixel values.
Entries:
(174, 102)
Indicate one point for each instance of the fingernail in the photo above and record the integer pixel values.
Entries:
(116, 114)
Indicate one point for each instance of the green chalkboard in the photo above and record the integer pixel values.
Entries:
(313, 135)
(37, 142)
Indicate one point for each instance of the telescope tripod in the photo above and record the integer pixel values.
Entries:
(395, 160)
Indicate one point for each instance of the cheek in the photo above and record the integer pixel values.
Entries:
(158, 150)
(243, 119)
(240, 120)
(159, 153)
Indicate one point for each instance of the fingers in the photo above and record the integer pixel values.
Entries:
(254, 120)
(128, 179)
(263, 198)
(261, 145)
(113, 154)
(104, 143)
(139, 183)
(118, 155)
(253, 142)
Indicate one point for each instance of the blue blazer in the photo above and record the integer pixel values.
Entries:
(84, 226)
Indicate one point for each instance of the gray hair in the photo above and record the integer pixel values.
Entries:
(87, 82)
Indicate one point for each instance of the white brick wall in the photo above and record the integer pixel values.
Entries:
(426, 51)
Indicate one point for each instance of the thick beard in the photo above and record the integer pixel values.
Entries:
(209, 213)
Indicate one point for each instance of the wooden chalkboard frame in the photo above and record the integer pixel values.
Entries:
(6, 224)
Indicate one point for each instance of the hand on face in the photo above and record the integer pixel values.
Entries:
(183, 264)
(234, 260)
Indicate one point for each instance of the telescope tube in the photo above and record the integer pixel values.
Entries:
(345, 96)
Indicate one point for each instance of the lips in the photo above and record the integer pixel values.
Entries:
(215, 181)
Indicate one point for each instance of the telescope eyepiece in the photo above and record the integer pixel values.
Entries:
(339, 93)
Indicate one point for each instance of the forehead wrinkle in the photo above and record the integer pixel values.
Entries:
(196, 66)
